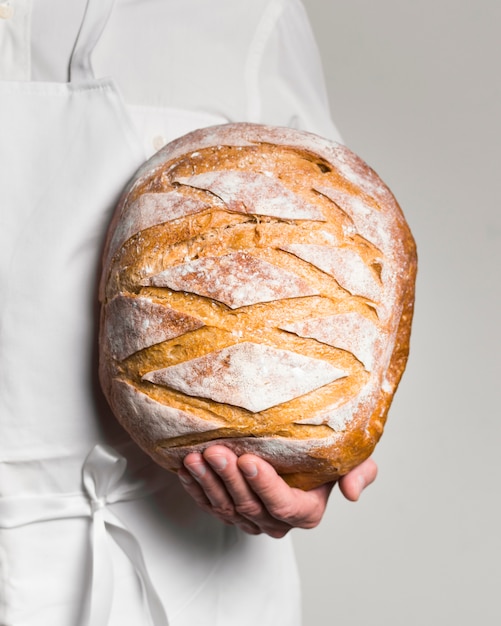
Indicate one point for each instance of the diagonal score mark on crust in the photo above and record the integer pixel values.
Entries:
(374, 226)
(151, 209)
(236, 279)
(255, 194)
(249, 375)
(339, 416)
(135, 323)
(348, 331)
(163, 421)
(343, 264)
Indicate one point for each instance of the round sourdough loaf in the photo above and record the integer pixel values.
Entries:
(257, 291)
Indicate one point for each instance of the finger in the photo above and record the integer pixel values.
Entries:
(247, 503)
(293, 507)
(225, 464)
(209, 484)
(192, 487)
(358, 479)
(210, 492)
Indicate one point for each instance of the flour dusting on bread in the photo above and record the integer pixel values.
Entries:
(257, 291)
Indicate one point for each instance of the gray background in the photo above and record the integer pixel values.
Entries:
(415, 90)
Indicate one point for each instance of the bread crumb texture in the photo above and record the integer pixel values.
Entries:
(257, 291)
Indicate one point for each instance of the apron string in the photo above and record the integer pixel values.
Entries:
(96, 16)
(102, 474)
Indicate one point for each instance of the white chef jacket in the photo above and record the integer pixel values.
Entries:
(240, 61)
(85, 517)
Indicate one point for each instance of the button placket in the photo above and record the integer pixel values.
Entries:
(15, 40)
(158, 142)
(6, 10)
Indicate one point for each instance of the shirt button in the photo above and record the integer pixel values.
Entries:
(6, 11)
(158, 142)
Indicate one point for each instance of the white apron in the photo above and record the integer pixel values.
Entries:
(85, 540)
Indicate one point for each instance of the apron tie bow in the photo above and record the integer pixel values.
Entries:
(102, 473)
(97, 504)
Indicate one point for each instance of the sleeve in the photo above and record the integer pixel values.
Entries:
(284, 75)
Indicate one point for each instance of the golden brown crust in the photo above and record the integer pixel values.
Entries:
(284, 270)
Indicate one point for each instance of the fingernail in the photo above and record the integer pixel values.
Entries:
(249, 469)
(186, 480)
(196, 469)
(361, 484)
(217, 461)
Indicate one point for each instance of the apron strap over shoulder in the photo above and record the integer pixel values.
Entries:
(97, 14)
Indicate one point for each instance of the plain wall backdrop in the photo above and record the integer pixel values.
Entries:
(415, 90)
